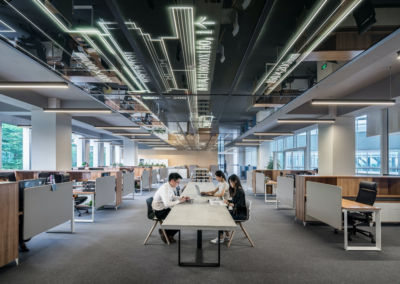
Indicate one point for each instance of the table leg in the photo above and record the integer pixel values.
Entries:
(199, 253)
(378, 230)
(345, 229)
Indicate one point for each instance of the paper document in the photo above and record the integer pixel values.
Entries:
(216, 202)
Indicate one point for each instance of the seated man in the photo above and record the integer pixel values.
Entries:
(164, 199)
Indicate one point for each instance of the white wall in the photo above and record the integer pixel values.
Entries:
(264, 153)
(130, 152)
(336, 147)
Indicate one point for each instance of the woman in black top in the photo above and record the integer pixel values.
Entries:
(238, 201)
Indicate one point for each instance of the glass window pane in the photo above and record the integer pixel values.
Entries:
(368, 148)
(301, 140)
(298, 160)
(12, 146)
(289, 142)
(74, 154)
(279, 145)
(288, 160)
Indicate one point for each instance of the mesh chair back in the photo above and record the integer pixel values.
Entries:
(367, 192)
(150, 212)
(248, 207)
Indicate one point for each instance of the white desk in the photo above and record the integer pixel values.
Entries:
(200, 216)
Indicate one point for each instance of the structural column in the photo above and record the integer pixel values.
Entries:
(26, 149)
(336, 147)
(87, 151)
(51, 141)
(130, 152)
(1, 145)
(101, 154)
(95, 154)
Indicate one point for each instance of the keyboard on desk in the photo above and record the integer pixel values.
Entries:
(92, 189)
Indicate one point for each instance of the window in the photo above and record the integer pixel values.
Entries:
(12, 145)
(289, 142)
(74, 154)
(301, 140)
(394, 141)
(368, 144)
(298, 160)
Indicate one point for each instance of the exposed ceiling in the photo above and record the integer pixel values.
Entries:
(138, 58)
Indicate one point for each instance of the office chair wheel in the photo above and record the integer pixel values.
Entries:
(373, 241)
(336, 231)
(350, 239)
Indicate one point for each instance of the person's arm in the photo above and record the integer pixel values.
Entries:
(165, 198)
(219, 194)
(211, 192)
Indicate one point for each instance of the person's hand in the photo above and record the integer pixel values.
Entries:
(226, 201)
(209, 193)
(183, 199)
(187, 198)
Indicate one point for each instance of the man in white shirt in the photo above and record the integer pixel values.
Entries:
(164, 200)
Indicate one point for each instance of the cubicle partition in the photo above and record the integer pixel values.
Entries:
(145, 180)
(128, 184)
(105, 193)
(154, 174)
(388, 198)
(285, 192)
(324, 203)
(45, 208)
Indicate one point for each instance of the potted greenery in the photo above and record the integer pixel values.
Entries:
(114, 165)
(141, 164)
(120, 165)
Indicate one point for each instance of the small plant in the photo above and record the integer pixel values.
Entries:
(114, 165)
(141, 164)
(120, 165)
(84, 164)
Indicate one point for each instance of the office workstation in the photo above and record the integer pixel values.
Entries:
(199, 141)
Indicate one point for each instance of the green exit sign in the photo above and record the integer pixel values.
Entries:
(324, 66)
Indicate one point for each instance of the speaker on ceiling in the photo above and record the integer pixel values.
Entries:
(364, 15)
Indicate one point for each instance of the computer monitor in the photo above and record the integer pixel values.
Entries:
(105, 174)
(9, 175)
(66, 177)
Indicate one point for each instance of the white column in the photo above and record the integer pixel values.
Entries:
(87, 151)
(117, 154)
(264, 154)
(101, 154)
(95, 153)
(79, 151)
(51, 141)
(108, 154)
(385, 142)
(26, 149)
(130, 152)
(336, 147)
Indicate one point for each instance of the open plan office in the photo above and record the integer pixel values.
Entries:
(199, 141)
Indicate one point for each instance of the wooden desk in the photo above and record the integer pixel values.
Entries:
(352, 206)
(8, 222)
(272, 184)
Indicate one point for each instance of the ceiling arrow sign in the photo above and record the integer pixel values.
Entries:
(203, 24)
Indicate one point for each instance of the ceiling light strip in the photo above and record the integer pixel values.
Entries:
(274, 133)
(306, 120)
(257, 140)
(68, 110)
(117, 127)
(353, 102)
(262, 81)
(320, 39)
(34, 85)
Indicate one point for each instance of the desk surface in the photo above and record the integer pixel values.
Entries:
(352, 205)
(200, 215)
(272, 182)
(80, 192)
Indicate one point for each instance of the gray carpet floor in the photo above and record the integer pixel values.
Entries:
(111, 250)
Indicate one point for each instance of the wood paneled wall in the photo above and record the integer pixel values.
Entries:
(203, 159)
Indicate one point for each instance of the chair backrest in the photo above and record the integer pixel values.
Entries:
(248, 207)
(367, 192)
(150, 212)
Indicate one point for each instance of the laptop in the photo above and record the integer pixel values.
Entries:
(198, 190)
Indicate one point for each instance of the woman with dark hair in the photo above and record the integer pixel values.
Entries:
(222, 189)
(237, 204)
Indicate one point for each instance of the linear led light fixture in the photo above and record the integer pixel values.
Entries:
(262, 81)
(77, 110)
(257, 140)
(157, 148)
(88, 138)
(100, 141)
(253, 144)
(117, 127)
(151, 142)
(319, 40)
(128, 134)
(273, 133)
(33, 85)
(24, 126)
(142, 140)
(306, 120)
(353, 102)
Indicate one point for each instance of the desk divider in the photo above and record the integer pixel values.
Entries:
(249, 179)
(45, 209)
(324, 202)
(260, 183)
(129, 184)
(145, 180)
(285, 191)
(154, 176)
(105, 191)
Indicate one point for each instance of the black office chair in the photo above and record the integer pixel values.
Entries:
(152, 216)
(78, 201)
(366, 195)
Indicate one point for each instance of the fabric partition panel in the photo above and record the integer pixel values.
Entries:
(45, 209)
(154, 174)
(129, 184)
(260, 183)
(191, 169)
(324, 203)
(249, 179)
(145, 179)
(213, 169)
(285, 191)
(105, 191)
